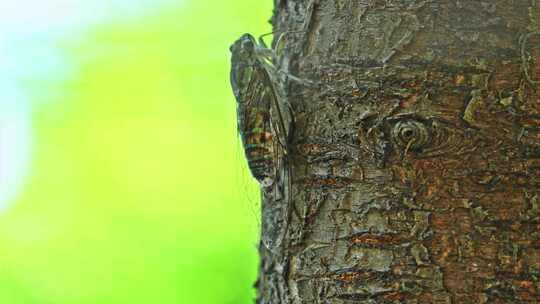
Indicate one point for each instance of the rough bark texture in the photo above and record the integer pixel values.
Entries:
(416, 156)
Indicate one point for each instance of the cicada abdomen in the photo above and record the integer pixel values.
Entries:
(258, 141)
(255, 95)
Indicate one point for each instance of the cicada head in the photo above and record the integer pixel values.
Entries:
(242, 65)
(243, 48)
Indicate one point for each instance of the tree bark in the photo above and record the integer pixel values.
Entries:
(415, 157)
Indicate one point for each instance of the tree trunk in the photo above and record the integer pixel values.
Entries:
(415, 157)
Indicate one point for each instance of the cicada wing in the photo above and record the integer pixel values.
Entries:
(282, 123)
(280, 111)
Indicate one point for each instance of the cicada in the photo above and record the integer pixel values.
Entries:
(264, 116)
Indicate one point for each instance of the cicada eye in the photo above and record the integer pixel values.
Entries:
(410, 134)
(247, 44)
(244, 46)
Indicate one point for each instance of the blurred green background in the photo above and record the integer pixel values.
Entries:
(134, 187)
